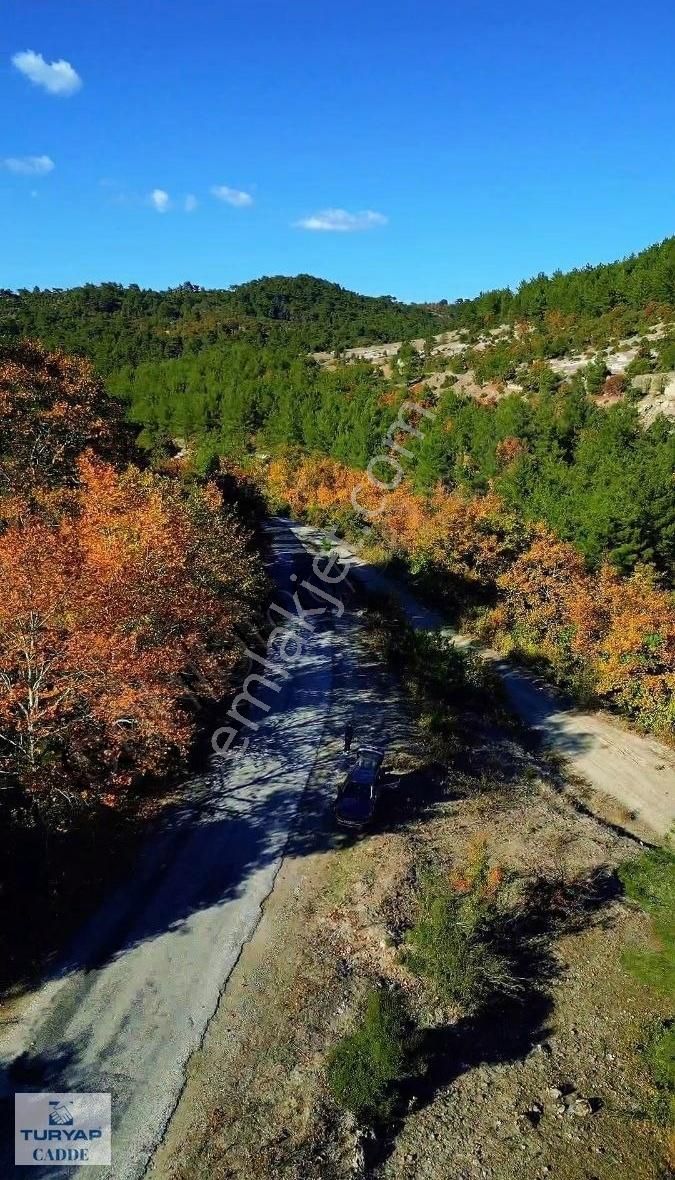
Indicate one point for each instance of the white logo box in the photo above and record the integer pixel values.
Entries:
(62, 1130)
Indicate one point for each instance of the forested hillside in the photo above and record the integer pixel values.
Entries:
(596, 475)
(115, 325)
(634, 282)
(230, 374)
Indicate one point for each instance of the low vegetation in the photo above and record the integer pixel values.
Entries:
(368, 1064)
(455, 943)
(649, 880)
(457, 946)
(440, 676)
(607, 638)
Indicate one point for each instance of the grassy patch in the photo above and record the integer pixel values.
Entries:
(650, 881)
(659, 1053)
(366, 1066)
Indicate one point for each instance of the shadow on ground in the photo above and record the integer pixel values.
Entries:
(505, 1029)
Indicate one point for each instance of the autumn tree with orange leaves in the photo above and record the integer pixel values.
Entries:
(111, 617)
(608, 638)
(52, 408)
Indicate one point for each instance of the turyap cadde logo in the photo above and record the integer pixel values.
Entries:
(62, 1129)
(61, 1115)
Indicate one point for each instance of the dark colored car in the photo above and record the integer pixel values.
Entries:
(358, 793)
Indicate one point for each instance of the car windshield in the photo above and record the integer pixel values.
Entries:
(366, 766)
(370, 757)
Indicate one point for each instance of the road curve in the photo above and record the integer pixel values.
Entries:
(126, 1008)
(637, 771)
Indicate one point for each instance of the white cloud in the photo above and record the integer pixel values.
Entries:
(29, 165)
(340, 221)
(190, 203)
(232, 196)
(159, 200)
(56, 77)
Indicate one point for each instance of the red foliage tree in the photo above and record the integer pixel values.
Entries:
(111, 613)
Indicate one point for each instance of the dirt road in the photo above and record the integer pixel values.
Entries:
(130, 1002)
(637, 771)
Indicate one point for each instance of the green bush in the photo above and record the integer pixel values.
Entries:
(366, 1065)
(659, 1052)
(650, 881)
(640, 364)
(594, 374)
(437, 670)
(666, 360)
(455, 941)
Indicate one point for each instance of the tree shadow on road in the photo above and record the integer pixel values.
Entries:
(54, 1071)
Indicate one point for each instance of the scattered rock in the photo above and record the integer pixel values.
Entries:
(554, 1092)
(533, 1114)
(581, 1107)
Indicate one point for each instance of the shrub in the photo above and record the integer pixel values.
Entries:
(437, 670)
(455, 942)
(666, 360)
(650, 880)
(659, 1053)
(642, 363)
(366, 1065)
(594, 374)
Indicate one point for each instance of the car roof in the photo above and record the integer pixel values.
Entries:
(369, 756)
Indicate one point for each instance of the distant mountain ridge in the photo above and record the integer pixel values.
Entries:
(635, 281)
(116, 325)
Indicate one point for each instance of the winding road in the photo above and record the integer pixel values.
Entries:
(132, 999)
(636, 771)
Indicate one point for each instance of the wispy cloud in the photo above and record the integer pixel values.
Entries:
(29, 165)
(190, 203)
(160, 200)
(340, 221)
(56, 77)
(232, 196)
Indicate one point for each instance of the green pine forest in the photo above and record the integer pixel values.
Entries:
(230, 372)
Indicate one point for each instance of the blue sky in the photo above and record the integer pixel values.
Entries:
(456, 146)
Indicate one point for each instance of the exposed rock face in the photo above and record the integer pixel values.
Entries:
(659, 390)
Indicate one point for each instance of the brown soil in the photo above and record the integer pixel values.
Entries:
(498, 1099)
